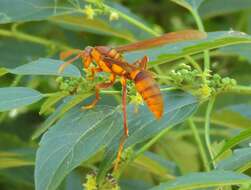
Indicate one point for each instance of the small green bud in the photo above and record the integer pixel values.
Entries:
(184, 71)
(59, 79)
(184, 66)
(90, 183)
(114, 16)
(89, 12)
(205, 91)
(233, 82)
(63, 86)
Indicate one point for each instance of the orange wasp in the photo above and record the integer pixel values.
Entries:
(110, 60)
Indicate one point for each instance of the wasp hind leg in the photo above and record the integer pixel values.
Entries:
(97, 90)
(126, 132)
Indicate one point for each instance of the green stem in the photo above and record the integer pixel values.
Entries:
(202, 29)
(151, 142)
(200, 144)
(132, 21)
(244, 90)
(168, 89)
(194, 63)
(207, 128)
(33, 39)
(110, 92)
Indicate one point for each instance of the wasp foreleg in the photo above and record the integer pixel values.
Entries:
(97, 90)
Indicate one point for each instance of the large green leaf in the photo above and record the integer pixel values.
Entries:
(176, 51)
(244, 135)
(63, 108)
(204, 180)
(14, 52)
(81, 23)
(242, 50)
(51, 101)
(45, 66)
(3, 71)
(213, 8)
(30, 10)
(189, 4)
(239, 161)
(235, 116)
(154, 163)
(15, 97)
(79, 135)
(63, 11)
(102, 25)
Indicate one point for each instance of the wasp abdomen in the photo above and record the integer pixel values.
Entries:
(150, 92)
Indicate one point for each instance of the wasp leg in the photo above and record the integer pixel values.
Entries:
(97, 89)
(142, 63)
(126, 132)
(65, 54)
(123, 82)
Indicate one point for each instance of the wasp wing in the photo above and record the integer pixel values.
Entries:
(123, 64)
(167, 38)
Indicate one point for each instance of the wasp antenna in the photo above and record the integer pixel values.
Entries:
(63, 66)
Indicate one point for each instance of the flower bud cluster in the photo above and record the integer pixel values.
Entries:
(74, 85)
(201, 84)
(97, 7)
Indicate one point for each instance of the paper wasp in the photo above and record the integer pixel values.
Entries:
(110, 60)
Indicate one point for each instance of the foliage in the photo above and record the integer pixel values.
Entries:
(48, 141)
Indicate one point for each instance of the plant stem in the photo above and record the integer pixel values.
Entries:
(168, 89)
(193, 63)
(202, 29)
(207, 128)
(33, 39)
(244, 90)
(200, 144)
(152, 141)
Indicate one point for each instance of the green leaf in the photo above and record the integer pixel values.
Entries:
(66, 106)
(14, 52)
(244, 135)
(3, 71)
(45, 66)
(30, 10)
(204, 180)
(170, 52)
(212, 8)
(239, 161)
(189, 4)
(242, 50)
(157, 165)
(81, 23)
(61, 12)
(15, 97)
(51, 101)
(235, 116)
(81, 134)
